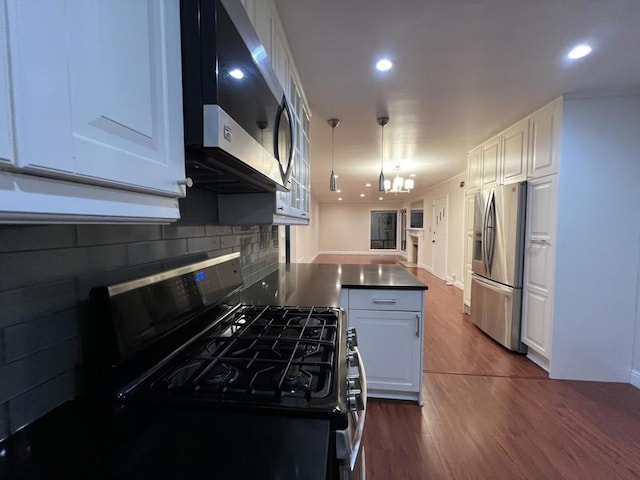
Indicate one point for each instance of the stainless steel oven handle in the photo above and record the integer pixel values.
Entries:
(362, 414)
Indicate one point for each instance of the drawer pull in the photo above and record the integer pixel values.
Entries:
(385, 301)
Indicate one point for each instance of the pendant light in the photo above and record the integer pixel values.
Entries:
(382, 121)
(333, 123)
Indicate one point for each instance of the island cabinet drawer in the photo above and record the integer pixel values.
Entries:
(383, 299)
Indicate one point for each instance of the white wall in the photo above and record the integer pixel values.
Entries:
(344, 227)
(305, 239)
(455, 238)
(598, 253)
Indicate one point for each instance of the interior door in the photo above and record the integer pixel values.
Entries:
(440, 230)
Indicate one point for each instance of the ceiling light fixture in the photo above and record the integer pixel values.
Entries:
(399, 185)
(579, 52)
(367, 184)
(333, 123)
(382, 121)
(362, 194)
(237, 73)
(384, 64)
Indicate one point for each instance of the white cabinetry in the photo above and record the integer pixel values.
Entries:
(514, 153)
(539, 268)
(474, 164)
(491, 166)
(6, 123)
(389, 325)
(469, 206)
(97, 100)
(545, 130)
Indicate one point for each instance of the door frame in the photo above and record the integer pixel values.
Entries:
(446, 236)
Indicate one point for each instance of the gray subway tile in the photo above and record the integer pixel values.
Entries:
(203, 244)
(182, 231)
(111, 234)
(21, 269)
(31, 405)
(246, 229)
(27, 373)
(211, 230)
(29, 337)
(24, 303)
(4, 421)
(36, 237)
(229, 241)
(153, 251)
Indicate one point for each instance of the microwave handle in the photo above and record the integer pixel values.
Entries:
(284, 173)
(360, 415)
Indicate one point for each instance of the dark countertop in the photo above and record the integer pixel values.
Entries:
(310, 284)
(80, 441)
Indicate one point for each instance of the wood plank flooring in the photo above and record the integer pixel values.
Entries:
(492, 414)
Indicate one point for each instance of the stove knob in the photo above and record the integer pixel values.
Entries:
(352, 338)
(352, 359)
(353, 383)
(354, 401)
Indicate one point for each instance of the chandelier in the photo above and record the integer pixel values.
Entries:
(399, 185)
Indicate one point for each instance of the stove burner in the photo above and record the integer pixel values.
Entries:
(307, 349)
(295, 379)
(182, 375)
(222, 375)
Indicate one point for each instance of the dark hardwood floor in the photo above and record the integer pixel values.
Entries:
(492, 414)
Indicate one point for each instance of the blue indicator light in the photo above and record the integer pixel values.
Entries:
(199, 276)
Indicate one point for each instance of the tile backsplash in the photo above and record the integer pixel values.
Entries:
(46, 273)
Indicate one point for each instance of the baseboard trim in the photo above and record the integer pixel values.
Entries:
(459, 284)
(313, 259)
(635, 378)
(427, 268)
(395, 253)
(538, 359)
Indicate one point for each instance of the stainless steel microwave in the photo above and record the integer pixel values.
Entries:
(239, 133)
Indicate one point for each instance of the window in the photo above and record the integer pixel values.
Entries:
(383, 229)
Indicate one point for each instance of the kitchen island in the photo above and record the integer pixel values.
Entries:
(85, 440)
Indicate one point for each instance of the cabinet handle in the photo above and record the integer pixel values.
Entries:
(540, 241)
(187, 181)
(417, 325)
(385, 301)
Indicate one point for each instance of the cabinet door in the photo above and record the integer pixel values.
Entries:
(474, 162)
(490, 163)
(98, 94)
(515, 150)
(6, 127)
(468, 247)
(390, 346)
(544, 138)
(539, 267)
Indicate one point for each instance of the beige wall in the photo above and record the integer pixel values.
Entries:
(344, 227)
(304, 239)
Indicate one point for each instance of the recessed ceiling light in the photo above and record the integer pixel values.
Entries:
(339, 191)
(412, 174)
(384, 64)
(237, 73)
(362, 194)
(379, 198)
(339, 198)
(367, 184)
(579, 52)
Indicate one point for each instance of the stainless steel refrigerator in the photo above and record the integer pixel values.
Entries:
(498, 262)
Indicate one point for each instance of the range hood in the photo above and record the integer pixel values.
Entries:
(239, 135)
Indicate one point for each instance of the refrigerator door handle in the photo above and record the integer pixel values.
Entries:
(484, 236)
(491, 215)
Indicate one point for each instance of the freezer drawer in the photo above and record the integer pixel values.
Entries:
(497, 310)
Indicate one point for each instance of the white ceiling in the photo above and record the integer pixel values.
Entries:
(464, 70)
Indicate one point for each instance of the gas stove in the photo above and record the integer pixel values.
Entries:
(176, 340)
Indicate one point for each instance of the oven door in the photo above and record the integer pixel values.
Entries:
(350, 449)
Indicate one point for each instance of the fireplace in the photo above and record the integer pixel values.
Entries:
(414, 241)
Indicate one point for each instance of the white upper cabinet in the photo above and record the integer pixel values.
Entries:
(491, 165)
(97, 92)
(6, 128)
(474, 160)
(544, 139)
(514, 153)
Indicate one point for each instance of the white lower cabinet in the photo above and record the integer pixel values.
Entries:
(389, 325)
